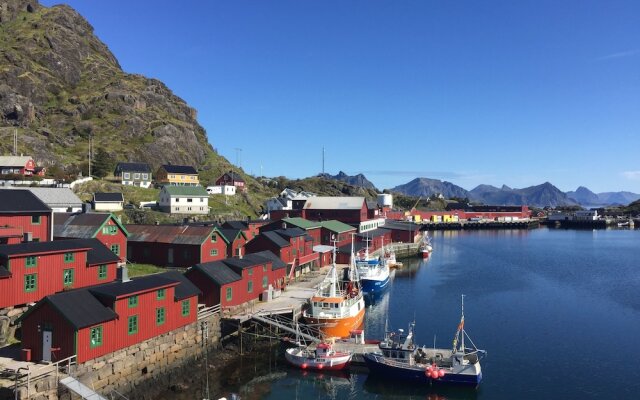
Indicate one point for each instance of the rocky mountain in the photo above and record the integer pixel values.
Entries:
(354, 180)
(624, 198)
(426, 187)
(60, 85)
(582, 195)
(540, 196)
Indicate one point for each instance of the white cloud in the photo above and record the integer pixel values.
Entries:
(632, 175)
(621, 54)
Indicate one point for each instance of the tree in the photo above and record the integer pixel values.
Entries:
(102, 164)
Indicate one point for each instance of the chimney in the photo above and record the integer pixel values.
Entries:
(123, 274)
(284, 225)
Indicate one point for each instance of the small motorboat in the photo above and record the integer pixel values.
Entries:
(323, 357)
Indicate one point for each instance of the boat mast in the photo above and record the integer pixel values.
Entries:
(334, 277)
(462, 325)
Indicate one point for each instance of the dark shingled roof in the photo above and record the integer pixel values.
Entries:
(99, 253)
(233, 176)
(218, 272)
(132, 167)
(185, 289)
(291, 232)
(99, 196)
(13, 201)
(4, 273)
(78, 226)
(276, 262)
(241, 225)
(276, 239)
(80, 308)
(44, 247)
(180, 169)
(136, 285)
(230, 234)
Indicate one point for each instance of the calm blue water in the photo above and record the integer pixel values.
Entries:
(558, 312)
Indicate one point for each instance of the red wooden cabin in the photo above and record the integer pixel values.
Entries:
(175, 245)
(30, 271)
(100, 320)
(23, 210)
(235, 281)
(102, 226)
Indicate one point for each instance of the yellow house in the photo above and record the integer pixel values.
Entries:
(177, 175)
(449, 218)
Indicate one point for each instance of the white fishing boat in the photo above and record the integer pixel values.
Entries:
(426, 248)
(323, 357)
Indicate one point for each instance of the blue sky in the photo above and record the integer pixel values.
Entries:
(494, 92)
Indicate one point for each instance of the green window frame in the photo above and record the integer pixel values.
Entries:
(115, 248)
(102, 271)
(31, 261)
(35, 219)
(213, 252)
(95, 336)
(186, 307)
(30, 283)
(250, 287)
(160, 315)
(67, 277)
(132, 325)
(293, 251)
(265, 282)
(133, 301)
(161, 294)
(264, 268)
(214, 238)
(110, 230)
(250, 271)
(229, 294)
(69, 257)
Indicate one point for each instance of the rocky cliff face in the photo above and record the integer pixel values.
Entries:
(60, 85)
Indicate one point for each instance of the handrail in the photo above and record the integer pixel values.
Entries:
(207, 312)
(42, 372)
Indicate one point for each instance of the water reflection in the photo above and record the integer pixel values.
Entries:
(417, 391)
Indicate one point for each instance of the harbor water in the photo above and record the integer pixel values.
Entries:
(558, 312)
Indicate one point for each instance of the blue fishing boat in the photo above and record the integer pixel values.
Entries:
(401, 359)
(374, 274)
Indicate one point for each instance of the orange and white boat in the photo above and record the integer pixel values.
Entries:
(337, 307)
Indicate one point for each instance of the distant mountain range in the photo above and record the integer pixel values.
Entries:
(355, 180)
(542, 195)
(584, 196)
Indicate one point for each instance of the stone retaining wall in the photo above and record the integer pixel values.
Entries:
(8, 317)
(125, 369)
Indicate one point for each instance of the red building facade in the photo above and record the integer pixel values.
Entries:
(234, 281)
(21, 209)
(105, 227)
(172, 245)
(112, 316)
(31, 271)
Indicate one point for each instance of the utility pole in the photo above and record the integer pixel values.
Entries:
(322, 160)
(15, 142)
(238, 151)
(90, 140)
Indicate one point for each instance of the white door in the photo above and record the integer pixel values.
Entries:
(46, 345)
(170, 256)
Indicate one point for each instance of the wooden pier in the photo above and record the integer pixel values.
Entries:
(477, 225)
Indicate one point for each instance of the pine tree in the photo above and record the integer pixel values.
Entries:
(102, 164)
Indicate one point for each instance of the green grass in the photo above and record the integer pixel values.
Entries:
(143, 269)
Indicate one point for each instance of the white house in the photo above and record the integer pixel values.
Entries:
(184, 200)
(108, 201)
(586, 215)
(227, 190)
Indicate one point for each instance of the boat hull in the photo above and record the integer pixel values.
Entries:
(337, 327)
(425, 254)
(416, 374)
(374, 285)
(335, 362)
